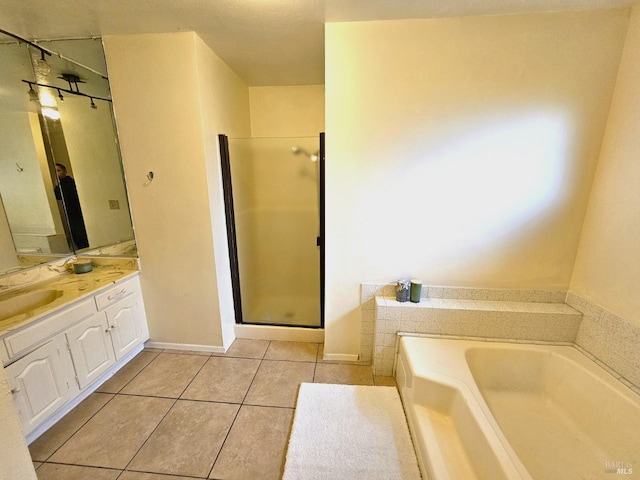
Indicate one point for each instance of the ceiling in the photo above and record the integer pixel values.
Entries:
(266, 42)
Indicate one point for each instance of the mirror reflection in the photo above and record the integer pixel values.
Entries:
(62, 188)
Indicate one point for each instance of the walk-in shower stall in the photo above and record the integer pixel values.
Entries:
(273, 196)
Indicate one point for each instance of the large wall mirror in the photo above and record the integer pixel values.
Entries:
(62, 188)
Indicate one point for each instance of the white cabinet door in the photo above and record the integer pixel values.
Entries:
(123, 325)
(91, 349)
(42, 382)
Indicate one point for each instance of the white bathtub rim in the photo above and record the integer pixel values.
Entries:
(455, 372)
(506, 457)
(573, 352)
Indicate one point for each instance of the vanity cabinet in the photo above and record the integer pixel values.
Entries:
(67, 354)
(121, 306)
(91, 349)
(42, 382)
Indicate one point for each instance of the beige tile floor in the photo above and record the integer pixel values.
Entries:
(171, 415)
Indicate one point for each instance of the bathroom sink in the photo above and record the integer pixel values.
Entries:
(26, 302)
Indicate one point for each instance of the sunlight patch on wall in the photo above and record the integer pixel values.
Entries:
(492, 181)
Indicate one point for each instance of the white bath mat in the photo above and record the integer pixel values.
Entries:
(345, 432)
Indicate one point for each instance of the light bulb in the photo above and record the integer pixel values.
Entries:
(51, 113)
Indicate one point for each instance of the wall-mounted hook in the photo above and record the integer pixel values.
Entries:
(20, 169)
(149, 179)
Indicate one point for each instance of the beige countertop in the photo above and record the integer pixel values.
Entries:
(69, 287)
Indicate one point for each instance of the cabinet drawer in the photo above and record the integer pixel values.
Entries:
(27, 338)
(116, 293)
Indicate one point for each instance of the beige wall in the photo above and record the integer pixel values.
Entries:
(607, 269)
(225, 109)
(8, 258)
(461, 151)
(15, 460)
(172, 96)
(294, 111)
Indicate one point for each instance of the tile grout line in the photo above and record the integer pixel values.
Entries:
(168, 475)
(165, 415)
(131, 379)
(315, 367)
(238, 412)
(175, 401)
(113, 395)
(76, 430)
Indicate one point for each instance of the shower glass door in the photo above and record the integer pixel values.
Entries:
(275, 183)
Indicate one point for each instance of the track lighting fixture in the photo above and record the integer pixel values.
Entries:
(42, 67)
(33, 94)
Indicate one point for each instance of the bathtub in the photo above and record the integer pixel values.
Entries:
(493, 411)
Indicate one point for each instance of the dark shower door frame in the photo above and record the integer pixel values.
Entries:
(231, 227)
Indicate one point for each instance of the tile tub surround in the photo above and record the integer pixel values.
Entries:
(610, 340)
(369, 292)
(502, 320)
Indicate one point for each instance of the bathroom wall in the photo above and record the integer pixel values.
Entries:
(289, 111)
(8, 258)
(225, 109)
(172, 96)
(461, 151)
(15, 460)
(607, 270)
(604, 286)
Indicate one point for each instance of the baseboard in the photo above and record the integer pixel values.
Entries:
(340, 357)
(286, 334)
(185, 346)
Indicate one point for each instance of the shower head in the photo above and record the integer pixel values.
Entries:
(301, 151)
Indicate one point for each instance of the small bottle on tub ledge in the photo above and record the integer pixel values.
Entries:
(402, 290)
(416, 290)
